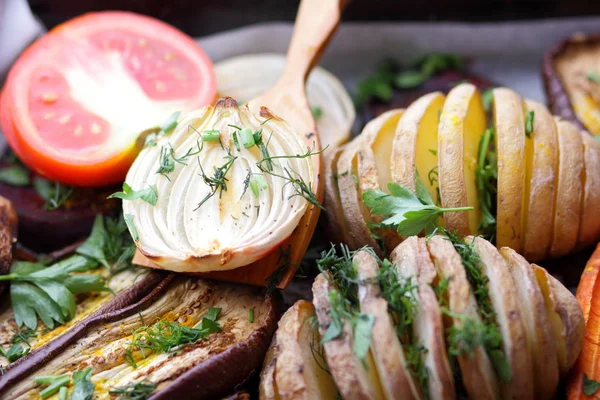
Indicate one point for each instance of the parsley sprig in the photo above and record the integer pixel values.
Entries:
(407, 212)
(149, 194)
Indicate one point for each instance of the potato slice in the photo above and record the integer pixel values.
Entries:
(589, 230)
(509, 122)
(357, 215)
(462, 123)
(388, 354)
(415, 143)
(294, 366)
(354, 380)
(412, 260)
(373, 165)
(337, 226)
(541, 159)
(569, 191)
(505, 302)
(565, 316)
(477, 371)
(533, 315)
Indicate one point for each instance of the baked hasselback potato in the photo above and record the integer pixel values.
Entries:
(445, 318)
(518, 176)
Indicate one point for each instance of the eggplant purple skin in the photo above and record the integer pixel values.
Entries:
(558, 98)
(130, 301)
(212, 378)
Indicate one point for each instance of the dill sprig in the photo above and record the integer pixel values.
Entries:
(470, 334)
(342, 274)
(301, 188)
(135, 391)
(309, 153)
(400, 294)
(168, 159)
(218, 181)
(167, 336)
(486, 176)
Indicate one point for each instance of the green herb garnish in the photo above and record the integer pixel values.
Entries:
(486, 179)
(251, 315)
(54, 193)
(167, 336)
(54, 383)
(594, 77)
(14, 352)
(277, 275)
(258, 183)
(529, 123)
(167, 127)
(341, 272)
(408, 213)
(317, 112)
(487, 97)
(15, 175)
(149, 194)
(218, 181)
(590, 386)
(93, 247)
(135, 391)
(83, 388)
(210, 135)
(247, 137)
(472, 334)
(131, 226)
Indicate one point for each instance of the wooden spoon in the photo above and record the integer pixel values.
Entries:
(315, 24)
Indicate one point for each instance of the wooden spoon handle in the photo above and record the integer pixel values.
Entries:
(316, 22)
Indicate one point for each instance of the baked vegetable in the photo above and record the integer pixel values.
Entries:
(246, 77)
(295, 367)
(450, 301)
(572, 81)
(528, 181)
(220, 192)
(187, 336)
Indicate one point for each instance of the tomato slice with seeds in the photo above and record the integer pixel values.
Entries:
(76, 99)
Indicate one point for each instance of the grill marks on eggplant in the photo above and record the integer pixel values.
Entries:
(87, 304)
(186, 301)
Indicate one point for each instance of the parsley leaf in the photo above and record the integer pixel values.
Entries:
(14, 352)
(529, 123)
(83, 388)
(15, 175)
(590, 386)
(408, 213)
(593, 76)
(149, 195)
(363, 326)
(317, 112)
(131, 226)
(487, 97)
(93, 247)
(50, 291)
(410, 79)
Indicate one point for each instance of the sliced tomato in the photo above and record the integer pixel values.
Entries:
(76, 99)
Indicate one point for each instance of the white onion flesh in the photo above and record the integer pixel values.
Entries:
(246, 77)
(232, 228)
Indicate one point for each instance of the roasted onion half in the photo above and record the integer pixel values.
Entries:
(246, 77)
(228, 185)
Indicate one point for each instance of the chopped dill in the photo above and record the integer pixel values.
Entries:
(218, 181)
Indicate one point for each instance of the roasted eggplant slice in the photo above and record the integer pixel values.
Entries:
(121, 350)
(572, 81)
(8, 236)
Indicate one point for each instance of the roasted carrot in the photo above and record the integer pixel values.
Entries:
(588, 364)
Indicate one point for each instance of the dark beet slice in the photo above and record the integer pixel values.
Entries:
(556, 92)
(442, 82)
(46, 230)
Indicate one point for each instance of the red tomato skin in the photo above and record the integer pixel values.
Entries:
(100, 169)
